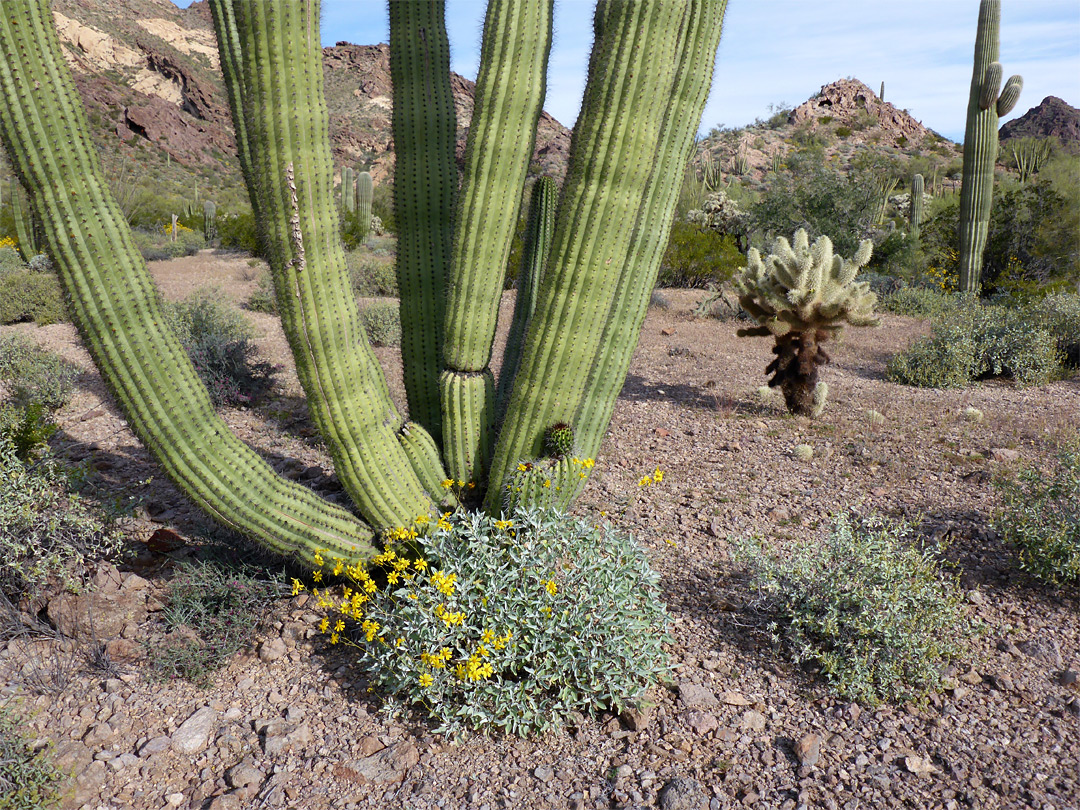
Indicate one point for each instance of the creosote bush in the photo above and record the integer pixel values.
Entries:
(382, 322)
(507, 624)
(31, 296)
(371, 278)
(1040, 516)
(871, 610)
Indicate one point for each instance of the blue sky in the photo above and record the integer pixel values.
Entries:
(783, 51)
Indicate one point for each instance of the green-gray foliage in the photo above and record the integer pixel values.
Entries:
(28, 779)
(27, 296)
(1040, 516)
(567, 615)
(1060, 315)
(371, 278)
(869, 608)
(977, 342)
(33, 374)
(697, 257)
(10, 262)
(920, 302)
(382, 322)
(262, 300)
(222, 608)
(47, 531)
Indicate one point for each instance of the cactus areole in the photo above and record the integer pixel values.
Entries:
(593, 267)
(987, 102)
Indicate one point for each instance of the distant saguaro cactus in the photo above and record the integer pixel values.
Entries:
(365, 188)
(209, 220)
(348, 190)
(917, 191)
(987, 102)
(881, 95)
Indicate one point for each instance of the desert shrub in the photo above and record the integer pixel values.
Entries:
(977, 342)
(40, 264)
(371, 279)
(659, 301)
(10, 262)
(382, 322)
(217, 610)
(843, 132)
(867, 607)
(217, 338)
(237, 231)
(1040, 516)
(33, 374)
(1060, 315)
(47, 532)
(919, 302)
(263, 299)
(511, 624)
(27, 296)
(881, 284)
(696, 258)
(27, 428)
(28, 779)
(150, 246)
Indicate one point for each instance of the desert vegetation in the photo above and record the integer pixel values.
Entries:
(419, 463)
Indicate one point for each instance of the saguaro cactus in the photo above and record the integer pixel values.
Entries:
(987, 102)
(348, 190)
(649, 76)
(365, 189)
(916, 210)
(209, 220)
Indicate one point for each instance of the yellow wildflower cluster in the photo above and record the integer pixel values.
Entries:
(444, 583)
(503, 525)
(551, 587)
(167, 228)
(448, 617)
(655, 478)
(585, 464)
(8, 242)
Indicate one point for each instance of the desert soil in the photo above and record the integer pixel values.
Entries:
(290, 723)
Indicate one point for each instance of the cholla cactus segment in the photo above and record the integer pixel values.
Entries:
(799, 287)
(722, 214)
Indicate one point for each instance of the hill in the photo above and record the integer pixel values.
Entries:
(1051, 118)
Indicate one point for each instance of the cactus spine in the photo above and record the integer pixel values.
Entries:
(649, 76)
(365, 188)
(916, 211)
(985, 107)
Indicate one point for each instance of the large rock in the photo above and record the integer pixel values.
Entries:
(194, 733)
(97, 615)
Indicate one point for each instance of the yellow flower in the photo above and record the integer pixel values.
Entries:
(487, 637)
(339, 625)
(392, 578)
(319, 558)
(317, 576)
(444, 583)
(644, 482)
(447, 483)
(547, 483)
(658, 476)
(546, 610)
(297, 586)
(420, 564)
(334, 638)
(551, 587)
(339, 567)
(370, 629)
(426, 680)
(324, 625)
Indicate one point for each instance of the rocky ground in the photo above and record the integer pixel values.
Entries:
(290, 724)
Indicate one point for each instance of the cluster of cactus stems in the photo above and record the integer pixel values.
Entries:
(916, 211)
(592, 265)
(1029, 155)
(803, 295)
(987, 102)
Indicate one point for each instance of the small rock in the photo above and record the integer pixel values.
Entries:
(702, 722)
(123, 761)
(226, 801)
(175, 799)
(193, 734)
(388, 765)
(370, 745)
(694, 696)
(1001, 454)
(753, 721)
(163, 541)
(1002, 683)
(808, 750)
(545, 773)
(637, 718)
(1069, 678)
(154, 746)
(683, 793)
(1042, 649)
(972, 678)
(243, 775)
(919, 765)
(734, 699)
(272, 650)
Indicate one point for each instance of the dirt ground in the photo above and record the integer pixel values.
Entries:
(290, 724)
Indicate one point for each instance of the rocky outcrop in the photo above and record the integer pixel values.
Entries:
(1051, 118)
(851, 103)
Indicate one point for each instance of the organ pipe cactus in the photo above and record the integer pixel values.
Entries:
(209, 220)
(802, 295)
(916, 212)
(648, 79)
(365, 188)
(987, 102)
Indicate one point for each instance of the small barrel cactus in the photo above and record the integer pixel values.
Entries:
(559, 440)
(802, 295)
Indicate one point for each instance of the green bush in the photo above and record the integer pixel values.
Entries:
(10, 262)
(47, 532)
(513, 624)
(696, 258)
(33, 297)
(1040, 516)
(872, 611)
(33, 374)
(977, 342)
(238, 232)
(920, 302)
(843, 132)
(1060, 316)
(221, 608)
(371, 278)
(263, 299)
(28, 779)
(382, 322)
(217, 338)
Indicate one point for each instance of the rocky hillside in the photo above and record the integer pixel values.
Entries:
(150, 77)
(1051, 118)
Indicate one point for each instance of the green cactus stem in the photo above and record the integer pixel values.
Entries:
(881, 95)
(539, 227)
(916, 211)
(348, 190)
(985, 107)
(209, 220)
(559, 440)
(635, 104)
(365, 190)
(25, 230)
(115, 306)
(1029, 155)
(803, 295)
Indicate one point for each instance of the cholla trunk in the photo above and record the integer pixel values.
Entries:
(795, 369)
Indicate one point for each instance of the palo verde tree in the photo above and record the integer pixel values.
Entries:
(649, 75)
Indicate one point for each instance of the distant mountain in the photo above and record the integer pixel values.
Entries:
(150, 77)
(850, 103)
(1052, 118)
